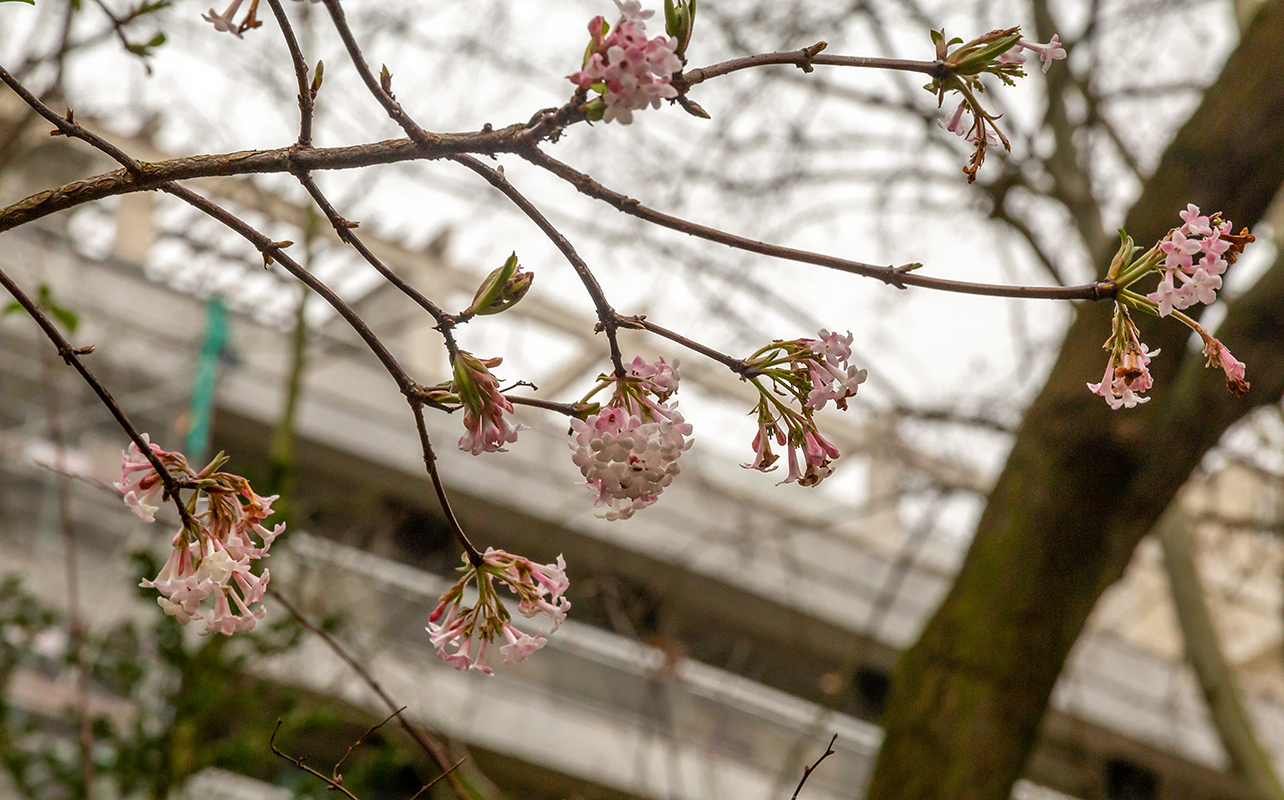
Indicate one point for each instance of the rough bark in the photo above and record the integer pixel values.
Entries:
(1084, 484)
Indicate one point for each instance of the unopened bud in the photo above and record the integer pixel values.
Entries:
(679, 19)
(1123, 256)
(385, 80)
(501, 290)
(473, 382)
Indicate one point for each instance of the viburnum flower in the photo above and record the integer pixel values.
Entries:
(810, 373)
(627, 69)
(462, 635)
(628, 451)
(224, 21)
(1183, 282)
(997, 53)
(485, 409)
(1127, 374)
(1052, 51)
(214, 554)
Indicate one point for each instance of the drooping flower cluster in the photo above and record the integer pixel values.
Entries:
(628, 451)
(462, 635)
(1127, 372)
(998, 53)
(627, 69)
(487, 427)
(214, 555)
(1183, 283)
(810, 373)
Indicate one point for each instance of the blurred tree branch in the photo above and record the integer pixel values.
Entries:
(1215, 674)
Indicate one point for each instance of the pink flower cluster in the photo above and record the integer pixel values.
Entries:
(812, 372)
(487, 428)
(462, 635)
(1210, 240)
(628, 452)
(213, 557)
(1127, 372)
(1200, 237)
(627, 69)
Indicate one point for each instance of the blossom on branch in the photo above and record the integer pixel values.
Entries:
(1052, 51)
(627, 69)
(1127, 373)
(997, 53)
(628, 451)
(214, 553)
(808, 374)
(1183, 283)
(485, 409)
(462, 635)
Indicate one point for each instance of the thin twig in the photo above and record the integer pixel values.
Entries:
(71, 355)
(567, 409)
(430, 463)
(274, 251)
(437, 779)
(736, 365)
(807, 771)
(335, 772)
(804, 59)
(298, 762)
(344, 229)
(435, 751)
(606, 315)
(385, 98)
(307, 97)
(899, 277)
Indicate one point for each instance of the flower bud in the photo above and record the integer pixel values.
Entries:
(679, 17)
(473, 382)
(501, 290)
(1123, 256)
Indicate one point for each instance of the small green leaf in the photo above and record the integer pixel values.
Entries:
(28, 2)
(12, 307)
(68, 319)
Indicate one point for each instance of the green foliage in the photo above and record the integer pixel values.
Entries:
(44, 299)
(195, 705)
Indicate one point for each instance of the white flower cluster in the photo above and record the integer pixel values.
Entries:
(215, 555)
(463, 635)
(628, 452)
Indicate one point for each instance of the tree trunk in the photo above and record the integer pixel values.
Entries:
(1083, 484)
